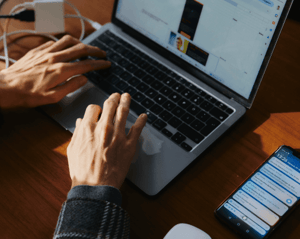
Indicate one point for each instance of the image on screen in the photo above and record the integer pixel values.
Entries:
(263, 199)
(225, 39)
(190, 18)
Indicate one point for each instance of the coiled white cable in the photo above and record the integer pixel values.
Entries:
(95, 25)
(81, 20)
(5, 27)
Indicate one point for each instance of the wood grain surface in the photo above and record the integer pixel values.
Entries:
(34, 176)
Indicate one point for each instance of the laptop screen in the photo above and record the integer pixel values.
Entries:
(226, 39)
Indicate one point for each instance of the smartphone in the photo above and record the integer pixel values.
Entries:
(258, 206)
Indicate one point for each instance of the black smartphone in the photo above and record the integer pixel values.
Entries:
(190, 18)
(258, 206)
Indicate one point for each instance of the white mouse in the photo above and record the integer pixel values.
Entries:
(186, 231)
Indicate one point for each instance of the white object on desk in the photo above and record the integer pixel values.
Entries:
(186, 231)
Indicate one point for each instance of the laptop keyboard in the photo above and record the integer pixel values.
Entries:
(168, 99)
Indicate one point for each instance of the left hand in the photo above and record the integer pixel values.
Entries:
(42, 76)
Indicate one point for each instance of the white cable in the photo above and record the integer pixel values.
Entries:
(30, 32)
(95, 25)
(5, 50)
(81, 20)
(10, 59)
(29, 4)
(23, 31)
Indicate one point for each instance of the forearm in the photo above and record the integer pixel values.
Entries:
(93, 212)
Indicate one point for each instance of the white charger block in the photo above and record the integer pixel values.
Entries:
(49, 16)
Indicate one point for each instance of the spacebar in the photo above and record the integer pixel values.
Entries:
(190, 133)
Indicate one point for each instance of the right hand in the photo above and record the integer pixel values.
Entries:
(100, 152)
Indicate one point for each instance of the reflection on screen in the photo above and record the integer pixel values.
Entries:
(226, 39)
(266, 196)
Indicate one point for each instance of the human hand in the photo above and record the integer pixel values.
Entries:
(41, 76)
(100, 152)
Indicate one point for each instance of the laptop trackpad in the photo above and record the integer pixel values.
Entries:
(148, 144)
(73, 106)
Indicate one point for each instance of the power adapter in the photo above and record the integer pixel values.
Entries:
(49, 16)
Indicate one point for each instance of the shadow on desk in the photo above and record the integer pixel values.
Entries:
(196, 192)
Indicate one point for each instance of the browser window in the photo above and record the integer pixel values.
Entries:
(226, 39)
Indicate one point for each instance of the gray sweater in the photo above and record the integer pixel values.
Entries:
(92, 212)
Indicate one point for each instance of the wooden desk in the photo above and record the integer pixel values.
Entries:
(34, 177)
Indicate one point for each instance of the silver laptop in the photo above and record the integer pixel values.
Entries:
(194, 66)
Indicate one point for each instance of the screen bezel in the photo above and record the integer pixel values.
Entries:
(236, 229)
(198, 73)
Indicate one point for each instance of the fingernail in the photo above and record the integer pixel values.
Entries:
(126, 94)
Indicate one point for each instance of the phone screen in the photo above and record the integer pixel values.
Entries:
(259, 204)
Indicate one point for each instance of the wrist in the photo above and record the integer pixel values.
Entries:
(7, 90)
(111, 184)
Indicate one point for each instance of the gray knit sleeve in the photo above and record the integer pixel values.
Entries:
(84, 215)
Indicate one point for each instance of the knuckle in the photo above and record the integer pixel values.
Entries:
(32, 51)
(124, 109)
(54, 98)
(67, 38)
(49, 43)
(83, 47)
(117, 138)
(108, 128)
(92, 107)
(60, 68)
(52, 59)
(109, 102)
(87, 126)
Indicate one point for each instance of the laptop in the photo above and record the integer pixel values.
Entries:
(194, 66)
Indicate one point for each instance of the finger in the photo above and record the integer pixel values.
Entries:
(122, 113)
(78, 122)
(137, 128)
(78, 51)
(66, 70)
(109, 108)
(92, 113)
(44, 46)
(60, 91)
(65, 42)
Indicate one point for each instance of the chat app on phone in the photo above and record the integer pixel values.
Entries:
(267, 196)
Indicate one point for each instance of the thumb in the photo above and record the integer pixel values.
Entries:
(70, 86)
